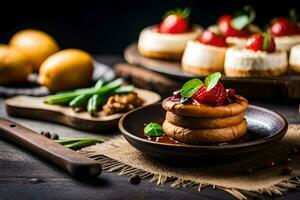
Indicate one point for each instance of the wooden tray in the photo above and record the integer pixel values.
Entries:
(283, 87)
(35, 108)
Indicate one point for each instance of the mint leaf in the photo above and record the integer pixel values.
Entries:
(245, 19)
(212, 80)
(240, 22)
(190, 87)
(153, 130)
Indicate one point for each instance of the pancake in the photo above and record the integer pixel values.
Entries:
(206, 123)
(239, 106)
(204, 136)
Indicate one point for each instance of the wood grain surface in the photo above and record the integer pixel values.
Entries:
(260, 88)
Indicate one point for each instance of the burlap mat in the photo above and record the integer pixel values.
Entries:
(117, 155)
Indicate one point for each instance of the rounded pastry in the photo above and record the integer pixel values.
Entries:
(285, 43)
(202, 136)
(165, 46)
(203, 59)
(199, 123)
(295, 58)
(239, 105)
(240, 62)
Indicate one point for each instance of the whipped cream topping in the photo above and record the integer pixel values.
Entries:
(285, 43)
(243, 59)
(295, 55)
(201, 55)
(151, 40)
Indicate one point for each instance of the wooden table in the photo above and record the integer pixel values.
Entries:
(19, 169)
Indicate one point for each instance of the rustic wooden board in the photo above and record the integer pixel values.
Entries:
(260, 89)
(35, 108)
(284, 87)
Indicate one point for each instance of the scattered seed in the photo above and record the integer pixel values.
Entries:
(34, 180)
(54, 136)
(134, 179)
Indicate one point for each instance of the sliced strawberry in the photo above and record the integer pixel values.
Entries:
(175, 22)
(215, 96)
(211, 38)
(259, 42)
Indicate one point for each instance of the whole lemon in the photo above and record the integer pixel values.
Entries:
(36, 45)
(67, 69)
(14, 66)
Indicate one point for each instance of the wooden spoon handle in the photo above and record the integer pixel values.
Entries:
(74, 163)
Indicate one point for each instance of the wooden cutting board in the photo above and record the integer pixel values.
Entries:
(35, 108)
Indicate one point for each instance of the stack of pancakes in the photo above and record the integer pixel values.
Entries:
(198, 124)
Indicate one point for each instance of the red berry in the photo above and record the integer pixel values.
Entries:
(286, 170)
(255, 43)
(270, 163)
(230, 93)
(283, 26)
(174, 24)
(213, 39)
(224, 24)
(215, 96)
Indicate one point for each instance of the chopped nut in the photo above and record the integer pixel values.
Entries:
(122, 103)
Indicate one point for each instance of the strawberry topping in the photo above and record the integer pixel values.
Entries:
(283, 27)
(225, 26)
(214, 39)
(215, 96)
(260, 42)
(175, 22)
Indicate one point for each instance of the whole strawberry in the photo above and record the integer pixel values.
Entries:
(175, 22)
(210, 37)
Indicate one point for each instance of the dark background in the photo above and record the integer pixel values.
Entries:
(106, 27)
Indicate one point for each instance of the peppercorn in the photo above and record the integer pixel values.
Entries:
(134, 179)
(54, 136)
(46, 134)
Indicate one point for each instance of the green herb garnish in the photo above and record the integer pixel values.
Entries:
(153, 130)
(212, 80)
(185, 13)
(190, 87)
(244, 19)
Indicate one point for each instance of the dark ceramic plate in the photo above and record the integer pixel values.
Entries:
(265, 127)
